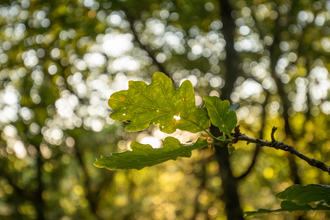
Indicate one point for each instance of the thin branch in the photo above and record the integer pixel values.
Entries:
(280, 146)
(254, 160)
(131, 20)
(272, 134)
(261, 135)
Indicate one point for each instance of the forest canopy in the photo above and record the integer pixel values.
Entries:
(60, 61)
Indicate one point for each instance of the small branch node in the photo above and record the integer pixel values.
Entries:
(209, 139)
(272, 134)
(237, 130)
(288, 148)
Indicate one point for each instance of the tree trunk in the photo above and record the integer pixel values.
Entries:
(229, 182)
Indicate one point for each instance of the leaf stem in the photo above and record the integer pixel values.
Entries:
(217, 143)
(222, 141)
(211, 135)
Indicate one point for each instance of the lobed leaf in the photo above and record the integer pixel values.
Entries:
(159, 103)
(143, 155)
(306, 194)
(220, 114)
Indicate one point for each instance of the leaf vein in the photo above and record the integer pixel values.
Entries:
(166, 97)
(144, 94)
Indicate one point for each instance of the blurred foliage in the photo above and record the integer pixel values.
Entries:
(61, 60)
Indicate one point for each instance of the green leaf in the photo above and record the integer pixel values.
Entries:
(287, 206)
(306, 194)
(220, 115)
(260, 211)
(303, 195)
(159, 103)
(234, 107)
(231, 150)
(143, 155)
(291, 206)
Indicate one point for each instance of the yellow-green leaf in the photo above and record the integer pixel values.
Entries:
(220, 114)
(158, 103)
(143, 155)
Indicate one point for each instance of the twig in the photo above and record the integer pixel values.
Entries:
(281, 146)
(256, 152)
(272, 134)
(150, 53)
(261, 135)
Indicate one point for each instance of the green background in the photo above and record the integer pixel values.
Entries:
(61, 60)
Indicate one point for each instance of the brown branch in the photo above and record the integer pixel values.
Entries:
(272, 134)
(281, 146)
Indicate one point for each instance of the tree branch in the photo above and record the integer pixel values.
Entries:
(280, 146)
(229, 183)
(261, 135)
(254, 160)
(150, 53)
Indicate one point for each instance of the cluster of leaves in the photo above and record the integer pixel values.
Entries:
(160, 103)
(316, 194)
